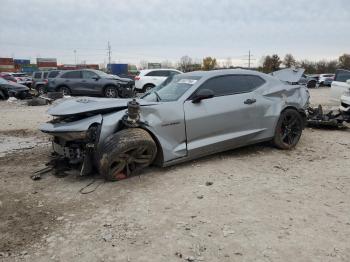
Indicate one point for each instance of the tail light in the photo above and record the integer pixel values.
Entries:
(137, 78)
(46, 81)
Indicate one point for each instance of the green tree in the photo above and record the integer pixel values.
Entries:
(209, 63)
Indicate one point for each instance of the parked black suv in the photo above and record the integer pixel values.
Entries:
(90, 82)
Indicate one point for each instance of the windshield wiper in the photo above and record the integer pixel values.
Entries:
(157, 95)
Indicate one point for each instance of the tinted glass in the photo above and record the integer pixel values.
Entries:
(88, 74)
(45, 75)
(53, 74)
(342, 76)
(255, 81)
(171, 89)
(37, 75)
(72, 74)
(163, 73)
(232, 84)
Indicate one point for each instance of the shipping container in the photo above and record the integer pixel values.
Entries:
(46, 60)
(88, 66)
(21, 61)
(117, 69)
(6, 61)
(29, 69)
(7, 68)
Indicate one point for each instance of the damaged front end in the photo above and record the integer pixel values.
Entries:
(75, 140)
(79, 126)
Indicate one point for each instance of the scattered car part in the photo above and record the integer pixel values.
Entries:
(190, 116)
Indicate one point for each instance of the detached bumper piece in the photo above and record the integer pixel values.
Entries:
(317, 117)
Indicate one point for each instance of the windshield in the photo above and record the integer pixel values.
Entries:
(100, 73)
(171, 89)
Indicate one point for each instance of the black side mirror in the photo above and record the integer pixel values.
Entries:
(96, 78)
(202, 94)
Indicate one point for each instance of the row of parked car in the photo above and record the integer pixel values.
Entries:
(91, 82)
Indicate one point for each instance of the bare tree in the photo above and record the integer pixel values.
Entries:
(271, 63)
(289, 60)
(344, 61)
(144, 64)
(167, 64)
(228, 62)
(185, 63)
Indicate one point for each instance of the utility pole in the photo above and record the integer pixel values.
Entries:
(109, 56)
(249, 59)
(75, 56)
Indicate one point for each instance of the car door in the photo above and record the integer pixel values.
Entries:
(72, 80)
(90, 83)
(156, 77)
(339, 85)
(224, 121)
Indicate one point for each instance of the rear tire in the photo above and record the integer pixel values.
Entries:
(126, 152)
(41, 90)
(147, 87)
(288, 130)
(65, 91)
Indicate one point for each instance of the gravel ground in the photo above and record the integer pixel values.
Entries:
(251, 204)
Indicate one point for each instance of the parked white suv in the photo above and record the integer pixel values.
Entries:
(147, 79)
(340, 84)
(323, 79)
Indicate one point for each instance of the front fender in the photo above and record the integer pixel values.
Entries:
(76, 126)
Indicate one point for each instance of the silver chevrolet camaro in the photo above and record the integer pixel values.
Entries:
(188, 116)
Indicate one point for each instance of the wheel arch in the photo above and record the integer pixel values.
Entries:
(299, 110)
(147, 84)
(159, 160)
(117, 87)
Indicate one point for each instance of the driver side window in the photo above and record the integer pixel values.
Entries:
(232, 84)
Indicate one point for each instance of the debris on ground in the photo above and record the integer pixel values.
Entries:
(208, 183)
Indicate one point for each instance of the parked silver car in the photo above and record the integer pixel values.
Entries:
(189, 116)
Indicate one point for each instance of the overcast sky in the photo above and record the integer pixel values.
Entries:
(156, 30)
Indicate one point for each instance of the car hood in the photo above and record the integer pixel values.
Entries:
(15, 86)
(114, 77)
(82, 105)
(289, 75)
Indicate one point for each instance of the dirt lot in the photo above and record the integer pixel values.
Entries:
(252, 204)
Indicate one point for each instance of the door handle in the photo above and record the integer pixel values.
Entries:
(250, 101)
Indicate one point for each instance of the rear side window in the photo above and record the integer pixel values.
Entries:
(53, 74)
(342, 76)
(162, 73)
(45, 74)
(232, 84)
(88, 74)
(37, 75)
(72, 74)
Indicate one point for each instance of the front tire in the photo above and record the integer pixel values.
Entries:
(110, 92)
(288, 130)
(126, 152)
